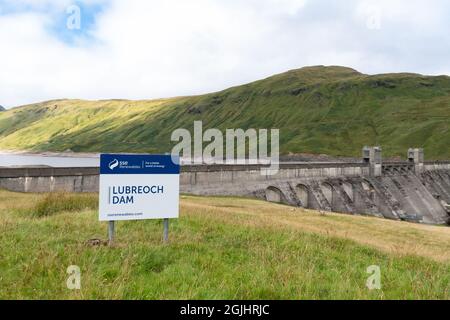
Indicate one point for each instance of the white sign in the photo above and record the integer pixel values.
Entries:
(138, 187)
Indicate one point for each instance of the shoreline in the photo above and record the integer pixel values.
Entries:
(50, 154)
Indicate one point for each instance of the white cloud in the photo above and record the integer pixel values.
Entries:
(149, 49)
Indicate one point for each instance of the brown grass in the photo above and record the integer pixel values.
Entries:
(400, 238)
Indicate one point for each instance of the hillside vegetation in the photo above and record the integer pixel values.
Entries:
(220, 248)
(320, 110)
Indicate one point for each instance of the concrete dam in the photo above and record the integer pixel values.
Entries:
(413, 190)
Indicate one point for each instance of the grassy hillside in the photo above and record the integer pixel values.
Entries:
(329, 110)
(245, 250)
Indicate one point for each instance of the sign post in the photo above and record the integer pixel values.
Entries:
(138, 187)
(111, 233)
(166, 231)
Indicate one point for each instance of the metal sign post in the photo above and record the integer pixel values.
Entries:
(111, 233)
(166, 231)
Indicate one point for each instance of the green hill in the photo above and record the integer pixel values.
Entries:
(326, 110)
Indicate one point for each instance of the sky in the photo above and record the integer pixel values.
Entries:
(145, 49)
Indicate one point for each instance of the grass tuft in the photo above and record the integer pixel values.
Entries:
(55, 203)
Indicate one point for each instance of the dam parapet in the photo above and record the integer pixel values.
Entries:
(413, 190)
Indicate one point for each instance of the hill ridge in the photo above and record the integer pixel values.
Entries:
(320, 109)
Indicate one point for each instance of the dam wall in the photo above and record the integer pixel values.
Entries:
(197, 179)
(412, 190)
(50, 179)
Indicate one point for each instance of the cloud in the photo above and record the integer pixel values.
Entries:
(149, 49)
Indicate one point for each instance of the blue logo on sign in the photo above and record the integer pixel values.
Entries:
(113, 164)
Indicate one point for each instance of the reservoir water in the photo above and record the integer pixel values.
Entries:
(19, 160)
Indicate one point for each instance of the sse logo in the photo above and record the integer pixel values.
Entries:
(113, 164)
